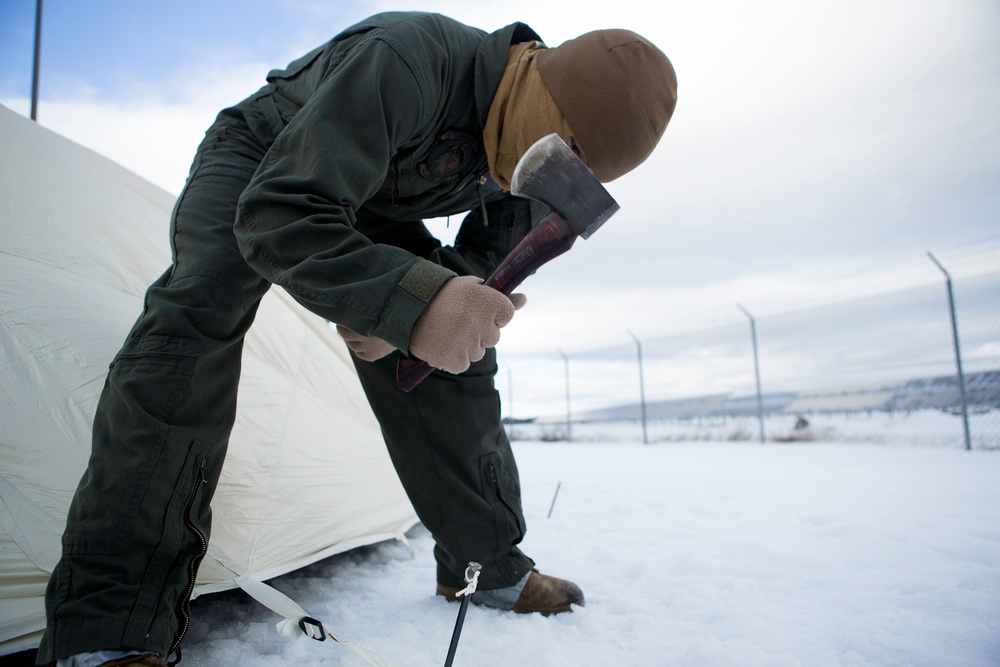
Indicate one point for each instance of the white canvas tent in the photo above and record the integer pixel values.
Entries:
(81, 238)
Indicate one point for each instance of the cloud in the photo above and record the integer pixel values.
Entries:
(150, 127)
(811, 140)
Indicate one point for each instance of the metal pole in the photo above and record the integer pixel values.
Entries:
(642, 389)
(569, 420)
(472, 578)
(756, 370)
(958, 352)
(37, 64)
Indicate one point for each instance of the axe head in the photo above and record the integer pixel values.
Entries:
(550, 172)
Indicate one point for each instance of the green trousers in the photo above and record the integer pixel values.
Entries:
(141, 518)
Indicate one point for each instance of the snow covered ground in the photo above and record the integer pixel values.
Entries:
(703, 554)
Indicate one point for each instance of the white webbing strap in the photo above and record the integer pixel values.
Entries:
(412, 550)
(297, 622)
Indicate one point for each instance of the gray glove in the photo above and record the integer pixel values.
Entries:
(461, 321)
(368, 348)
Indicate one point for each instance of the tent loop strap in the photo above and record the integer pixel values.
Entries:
(296, 622)
(312, 628)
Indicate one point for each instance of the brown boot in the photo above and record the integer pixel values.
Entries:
(541, 593)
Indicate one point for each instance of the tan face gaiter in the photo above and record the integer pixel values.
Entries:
(522, 112)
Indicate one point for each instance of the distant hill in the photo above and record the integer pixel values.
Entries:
(939, 393)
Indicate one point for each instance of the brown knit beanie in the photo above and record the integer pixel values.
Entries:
(617, 91)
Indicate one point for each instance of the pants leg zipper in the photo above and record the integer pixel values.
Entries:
(183, 607)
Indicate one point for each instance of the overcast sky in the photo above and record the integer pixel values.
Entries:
(812, 139)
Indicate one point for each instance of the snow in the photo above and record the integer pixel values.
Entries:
(703, 554)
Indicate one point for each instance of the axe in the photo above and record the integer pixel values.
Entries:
(551, 173)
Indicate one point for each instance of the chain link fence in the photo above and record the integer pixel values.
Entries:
(870, 359)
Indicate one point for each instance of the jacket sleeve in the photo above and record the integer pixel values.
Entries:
(295, 221)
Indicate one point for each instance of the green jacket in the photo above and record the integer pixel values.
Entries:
(369, 134)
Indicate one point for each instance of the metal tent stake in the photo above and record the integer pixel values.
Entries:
(553, 505)
(471, 578)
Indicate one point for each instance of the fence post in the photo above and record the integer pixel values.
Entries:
(756, 370)
(642, 389)
(958, 351)
(569, 421)
(37, 62)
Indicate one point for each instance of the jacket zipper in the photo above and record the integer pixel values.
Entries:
(183, 609)
(480, 182)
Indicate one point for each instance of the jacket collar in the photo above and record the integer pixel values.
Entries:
(491, 59)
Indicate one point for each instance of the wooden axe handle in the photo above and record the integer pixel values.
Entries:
(551, 237)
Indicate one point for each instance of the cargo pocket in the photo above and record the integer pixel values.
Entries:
(503, 493)
(154, 371)
(147, 380)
